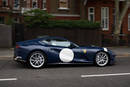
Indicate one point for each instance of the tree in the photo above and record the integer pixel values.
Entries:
(119, 19)
(36, 17)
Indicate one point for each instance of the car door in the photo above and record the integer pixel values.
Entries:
(56, 45)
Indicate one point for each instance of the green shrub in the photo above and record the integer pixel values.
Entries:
(36, 18)
(82, 24)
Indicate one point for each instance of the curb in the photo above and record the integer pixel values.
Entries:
(123, 55)
(6, 58)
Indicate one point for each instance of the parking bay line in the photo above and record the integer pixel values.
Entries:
(9, 79)
(105, 75)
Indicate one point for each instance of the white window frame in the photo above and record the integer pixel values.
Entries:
(18, 4)
(104, 18)
(64, 8)
(91, 13)
(43, 6)
(129, 22)
(36, 4)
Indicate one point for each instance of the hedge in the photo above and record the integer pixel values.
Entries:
(69, 24)
(82, 24)
(39, 18)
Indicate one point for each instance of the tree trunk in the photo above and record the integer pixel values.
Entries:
(116, 31)
(119, 20)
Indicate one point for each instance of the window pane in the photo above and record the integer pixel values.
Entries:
(103, 23)
(91, 10)
(44, 4)
(91, 14)
(4, 3)
(63, 3)
(16, 3)
(106, 23)
(2, 19)
(105, 17)
(129, 22)
(91, 17)
(106, 12)
(34, 4)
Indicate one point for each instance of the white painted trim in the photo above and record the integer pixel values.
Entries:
(105, 29)
(128, 22)
(122, 0)
(61, 8)
(91, 13)
(67, 15)
(9, 79)
(104, 75)
(44, 9)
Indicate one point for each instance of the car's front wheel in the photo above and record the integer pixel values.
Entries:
(102, 59)
(37, 59)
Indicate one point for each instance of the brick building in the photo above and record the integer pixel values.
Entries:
(92, 10)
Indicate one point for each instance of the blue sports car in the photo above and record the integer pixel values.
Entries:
(57, 50)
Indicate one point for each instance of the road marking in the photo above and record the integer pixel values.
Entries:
(9, 79)
(104, 75)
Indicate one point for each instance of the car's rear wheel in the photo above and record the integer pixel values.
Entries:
(37, 59)
(102, 59)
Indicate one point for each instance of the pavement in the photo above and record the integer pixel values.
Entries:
(6, 53)
(119, 51)
(13, 74)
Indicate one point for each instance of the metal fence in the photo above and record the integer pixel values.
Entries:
(79, 36)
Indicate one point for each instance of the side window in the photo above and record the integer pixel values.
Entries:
(59, 42)
(47, 41)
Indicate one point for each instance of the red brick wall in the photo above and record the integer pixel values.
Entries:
(0, 2)
(97, 4)
(48, 5)
(66, 18)
(125, 23)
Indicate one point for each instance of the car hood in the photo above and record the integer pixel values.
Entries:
(90, 47)
(95, 48)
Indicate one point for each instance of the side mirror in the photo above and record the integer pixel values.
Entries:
(72, 46)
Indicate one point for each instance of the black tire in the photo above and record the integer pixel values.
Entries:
(102, 59)
(37, 59)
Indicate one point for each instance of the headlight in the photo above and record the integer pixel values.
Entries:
(105, 49)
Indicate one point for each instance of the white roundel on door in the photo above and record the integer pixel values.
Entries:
(66, 55)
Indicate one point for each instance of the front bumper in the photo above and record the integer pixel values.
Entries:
(19, 59)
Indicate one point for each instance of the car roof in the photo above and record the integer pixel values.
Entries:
(52, 37)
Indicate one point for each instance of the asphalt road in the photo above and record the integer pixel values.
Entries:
(13, 74)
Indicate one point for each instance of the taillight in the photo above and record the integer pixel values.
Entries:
(17, 46)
